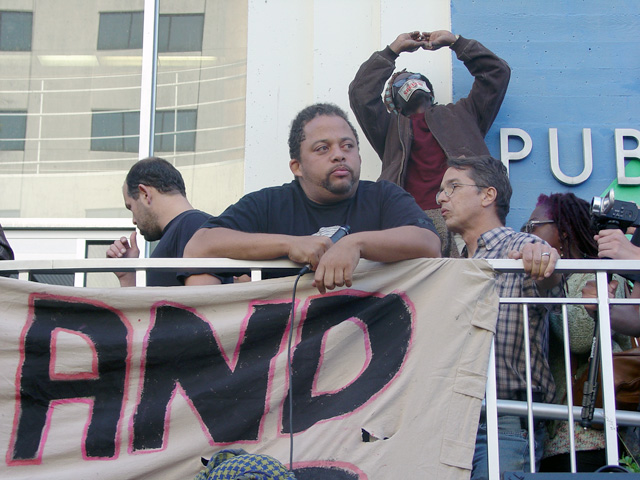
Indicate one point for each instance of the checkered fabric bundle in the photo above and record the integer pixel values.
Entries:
(240, 465)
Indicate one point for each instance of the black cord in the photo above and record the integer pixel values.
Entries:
(303, 271)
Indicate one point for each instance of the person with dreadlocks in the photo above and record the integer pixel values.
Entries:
(412, 134)
(563, 221)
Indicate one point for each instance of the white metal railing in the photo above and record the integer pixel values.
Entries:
(608, 416)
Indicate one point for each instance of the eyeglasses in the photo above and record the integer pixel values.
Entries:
(448, 190)
(403, 80)
(530, 226)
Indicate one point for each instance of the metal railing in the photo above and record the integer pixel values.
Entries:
(608, 416)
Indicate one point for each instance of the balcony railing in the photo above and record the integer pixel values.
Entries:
(608, 416)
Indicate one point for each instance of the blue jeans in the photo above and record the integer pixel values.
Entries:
(513, 447)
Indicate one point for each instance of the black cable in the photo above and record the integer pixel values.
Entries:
(303, 271)
(337, 235)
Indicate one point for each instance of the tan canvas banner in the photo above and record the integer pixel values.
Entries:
(137, 383)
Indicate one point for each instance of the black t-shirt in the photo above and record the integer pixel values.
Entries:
(171, 245)
(6, 253)
(287, 210)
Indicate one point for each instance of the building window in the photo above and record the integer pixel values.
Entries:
(15, 31)
(168, 127)
(119, 131)
(65, 279)
(176, 33)
(98, 249)
(115, 131)
(120, 31)
(13, 129)
(180, 33)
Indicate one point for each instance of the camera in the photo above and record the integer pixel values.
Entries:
(609, 213)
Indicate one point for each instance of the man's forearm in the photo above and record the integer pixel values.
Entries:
(226, 243)
(625, 319)
(127, 280)
(395, 244)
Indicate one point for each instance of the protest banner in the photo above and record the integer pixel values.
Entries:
(135, 383)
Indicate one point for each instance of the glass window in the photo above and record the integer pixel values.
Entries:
(167, 125)
(176, 33)
(15, 31)
(180, 33)
(120, 30)
(81, 92)
(65, 279)
(115, 131)
(119, 131)
(98, 249)
(13, 129)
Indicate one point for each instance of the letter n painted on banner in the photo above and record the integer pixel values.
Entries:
(227, 395)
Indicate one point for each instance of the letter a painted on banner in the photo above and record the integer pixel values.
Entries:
(40, 391)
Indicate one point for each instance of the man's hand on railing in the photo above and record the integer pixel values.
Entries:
(125, 248)
(539, 261)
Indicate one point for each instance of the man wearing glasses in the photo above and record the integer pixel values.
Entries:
(414, 136)
(474, 201)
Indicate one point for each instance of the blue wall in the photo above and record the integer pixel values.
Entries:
(575, 65)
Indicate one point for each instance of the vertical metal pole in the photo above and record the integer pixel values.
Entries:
(527, 358)
(491, 413)
(40, 126)
(149, 77)
(606, 359)
(569, 386)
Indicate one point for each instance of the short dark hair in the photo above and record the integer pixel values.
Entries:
(157, 173)
(488, 172)
(296, 134)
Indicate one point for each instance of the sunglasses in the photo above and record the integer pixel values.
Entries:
(530, 226)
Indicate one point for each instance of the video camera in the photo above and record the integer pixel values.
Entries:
(609, 213)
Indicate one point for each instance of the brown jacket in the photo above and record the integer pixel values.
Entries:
(458, 127)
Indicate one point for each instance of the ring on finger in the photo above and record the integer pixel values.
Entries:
(545, 254)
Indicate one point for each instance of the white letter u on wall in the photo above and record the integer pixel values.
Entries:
(555, 160)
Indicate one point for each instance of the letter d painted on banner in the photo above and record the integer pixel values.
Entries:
(387, 325)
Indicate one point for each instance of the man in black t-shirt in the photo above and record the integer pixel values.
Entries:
(6, 253)
(154, 192)
(297, 219)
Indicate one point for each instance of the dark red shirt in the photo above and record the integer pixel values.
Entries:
(427, 164)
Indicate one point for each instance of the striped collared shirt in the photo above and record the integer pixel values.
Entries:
(509, 340)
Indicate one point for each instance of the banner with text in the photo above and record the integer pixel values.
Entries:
(388, 375)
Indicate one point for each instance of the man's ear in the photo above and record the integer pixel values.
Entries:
(145, 192)
(490, 195)
(294, 166)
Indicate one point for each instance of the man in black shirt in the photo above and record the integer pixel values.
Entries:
(6, 253)
(297, 219)
(154, 192)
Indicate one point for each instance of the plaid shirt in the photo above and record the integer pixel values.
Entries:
(509, 339)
